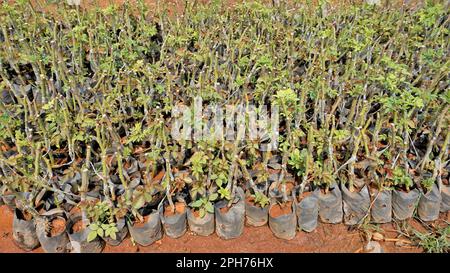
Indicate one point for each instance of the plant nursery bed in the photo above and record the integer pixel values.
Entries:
(326, 238)
(224, 126)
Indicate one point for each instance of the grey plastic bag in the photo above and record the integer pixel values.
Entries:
(381, 211)
(149, 233)
(284, 226)
(256, 216)
(174, 225)
(429, 204)
(51, 244)
(201, 226)
(230, 224)
(404, 203)
(307, 211)
(356, 205)
(78, 240)
(24, 232)
(445, 196)
(330, 205)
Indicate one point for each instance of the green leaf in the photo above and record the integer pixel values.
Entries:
(92, 235)
(202, 212)
(209, 207)
(139, 202)
(93, 226)
(213, 196)
(113, 235)
(100, 232)
(197, 203)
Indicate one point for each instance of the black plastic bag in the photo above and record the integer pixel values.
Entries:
(256, 216)
(356, 205)
(78, 240)
(381, 211)
(445, 196)
(120, 235)
(174, 225)
(307, 211)
(429, 204)
(230, 224)
(51, 244)
(149, 233)
(201, 226)
(330, 205)
(24, 231)
(283, 226)
(404, 203)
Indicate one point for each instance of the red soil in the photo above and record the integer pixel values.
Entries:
(179, 209)
(58, 226)
(78, 226)
(278, 210)
(139, 224)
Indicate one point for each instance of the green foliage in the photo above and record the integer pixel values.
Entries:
(204, 204)
(401, 178)
(261, 199)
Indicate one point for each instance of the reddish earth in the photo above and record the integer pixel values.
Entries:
(58, 226)
(179, 209)
(139, 224)
(78, 226)
(280, 209)
(225, 209)
(326, 238)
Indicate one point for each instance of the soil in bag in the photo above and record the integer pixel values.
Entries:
(255, 215)
(330, 205)
(307, 210)
(203, 226)
(381, 211)
(24, 230)
(174, 222)
(230, 220)
(404, 203)
(148, 231)
(120, 235)
(282, 220)
(356, 205)
(78, 237)
(52, 235)
(429, 204)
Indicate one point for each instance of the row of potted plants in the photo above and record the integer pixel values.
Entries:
(86, 112)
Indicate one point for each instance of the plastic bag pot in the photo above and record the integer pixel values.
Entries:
(230, 224)
(356, 205)
(330, 205)
(307, 211)
(404, 203)
(256, 216)
(78, 240)
(174, 225)
(381, 211)
(429, 204)
(149, 233)
(10, 201)
(123, 231)
(201, 226)
(24, 231)
(51, 244)
(445, 197)
(283, 226)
